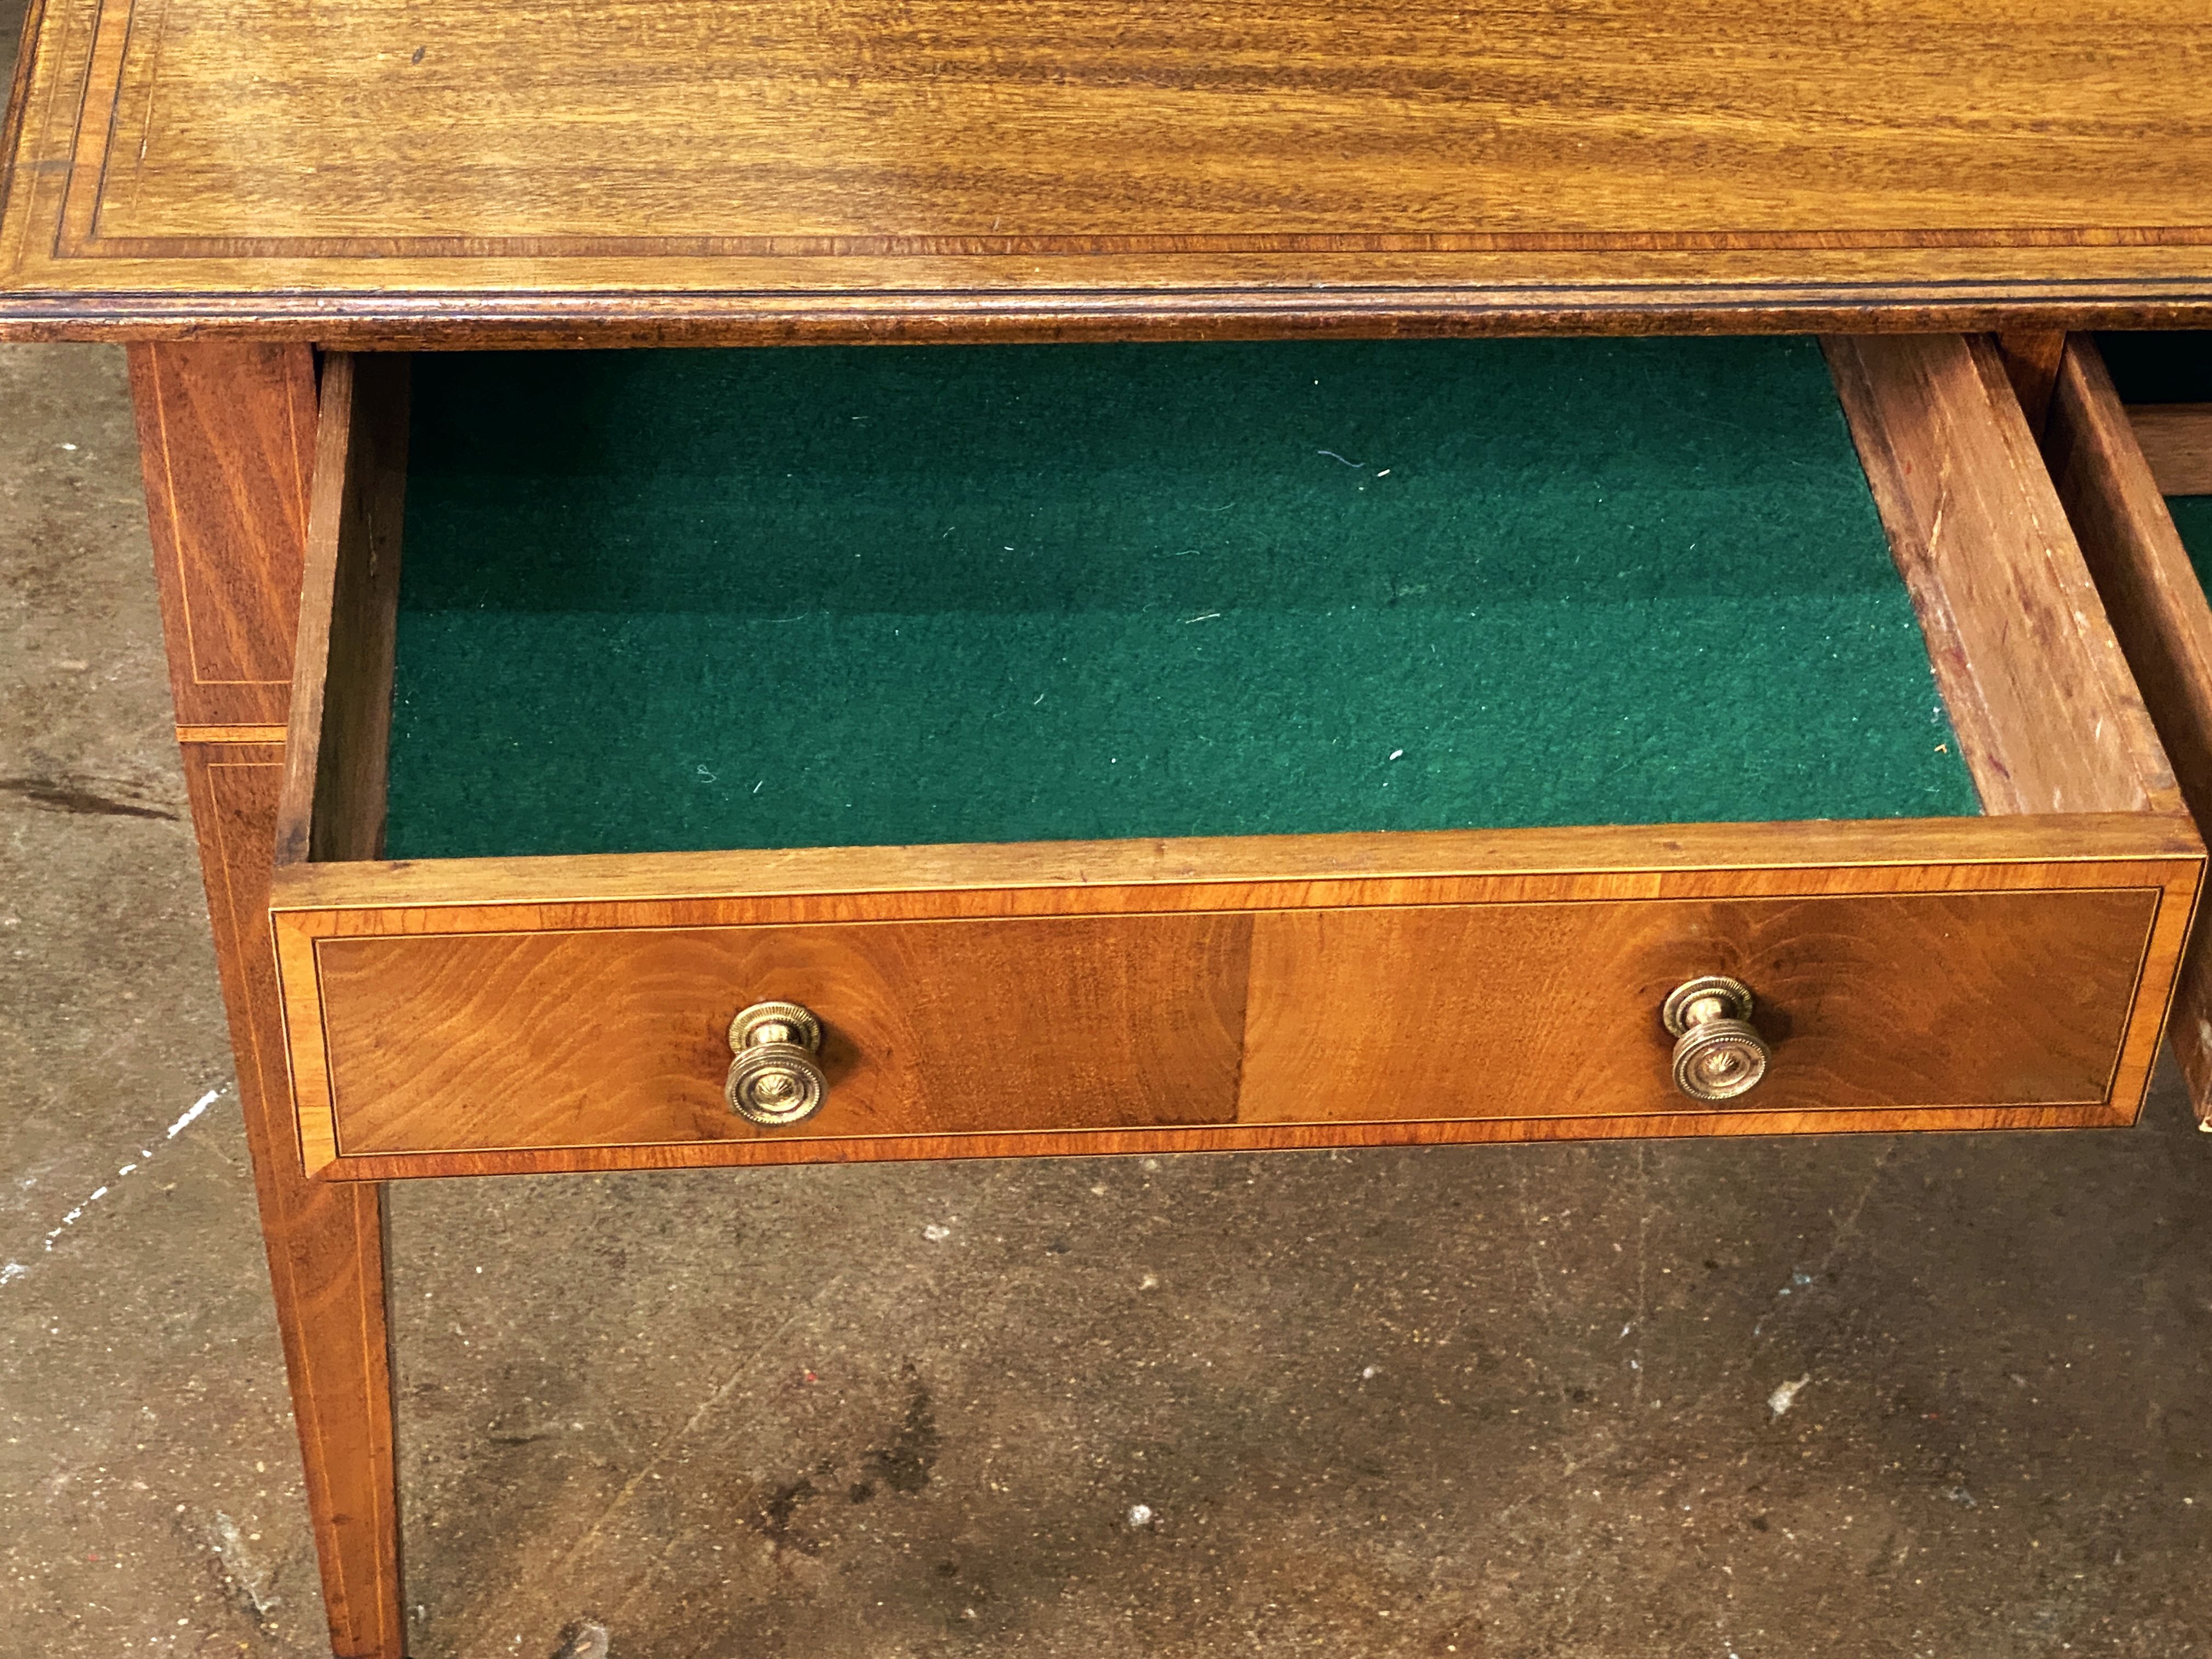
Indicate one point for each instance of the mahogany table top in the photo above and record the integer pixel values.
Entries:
(379, 172)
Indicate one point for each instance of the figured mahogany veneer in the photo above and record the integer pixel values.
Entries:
(1469, 1015)
(392, 174)
(539, 1013)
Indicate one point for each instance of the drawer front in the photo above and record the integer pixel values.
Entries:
(1552, 1010)
(622, 1036)
(952, 1035)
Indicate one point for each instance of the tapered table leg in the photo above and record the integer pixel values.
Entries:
(227, 438)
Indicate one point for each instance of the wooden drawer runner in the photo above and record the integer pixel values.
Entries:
(475, 1014)
(2136, 480)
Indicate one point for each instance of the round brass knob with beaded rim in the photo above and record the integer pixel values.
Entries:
(775, 1079)
(1718, 1053)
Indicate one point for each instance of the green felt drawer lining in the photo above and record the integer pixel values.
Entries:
(687, 600)
(2193, 517)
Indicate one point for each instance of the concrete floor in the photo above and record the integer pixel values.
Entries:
(1502, 1401)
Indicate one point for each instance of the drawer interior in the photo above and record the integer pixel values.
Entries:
(677, 600)
(2130, 445)
(2159, 367)
(2193, 517)
(2166, 379)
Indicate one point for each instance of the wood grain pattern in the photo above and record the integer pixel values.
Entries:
(1534, 1011)
(339, 741)
(226, 440)
(231, 734)
(2159, 613)
(1227, 1138)
(2031, 364)
(636, 933)
(853, 883)
(2037, 687)
(941, 167)
(2176, 441)
(324, 1243)
(226, 431)
(581, 1039)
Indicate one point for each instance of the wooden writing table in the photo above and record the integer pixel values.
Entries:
(247, 195)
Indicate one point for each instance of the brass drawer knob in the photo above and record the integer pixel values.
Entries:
(775, 1077)
(1718, 1053)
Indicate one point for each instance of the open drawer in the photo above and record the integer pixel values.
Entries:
(2130, 447)
(1147, 748)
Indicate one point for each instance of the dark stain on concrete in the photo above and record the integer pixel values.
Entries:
(779, 1515)
(70, 798)
(906, 1463)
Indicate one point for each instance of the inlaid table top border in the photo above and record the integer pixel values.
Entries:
(65, 271)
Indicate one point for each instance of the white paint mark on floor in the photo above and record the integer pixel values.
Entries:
(935, 1234)
(192, 1114)
(15, 1270)
(1786, 1396)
